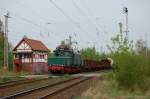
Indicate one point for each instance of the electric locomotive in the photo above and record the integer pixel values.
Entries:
(65, 60)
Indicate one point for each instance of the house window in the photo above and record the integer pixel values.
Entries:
(41, 56)
(16, 56)
(25, 56)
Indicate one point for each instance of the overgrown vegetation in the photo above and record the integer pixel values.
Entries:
(9, 75)
(130, 78)
(91, 54)
(1, 49)
(108, 89)
(131, 66)
(131, 69)
(10, 56)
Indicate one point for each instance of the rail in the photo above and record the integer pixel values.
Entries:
(14, 96)
(63, 89)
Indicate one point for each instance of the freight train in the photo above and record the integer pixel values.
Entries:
(66, 60)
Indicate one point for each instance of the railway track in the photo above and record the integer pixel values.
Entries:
(63, 89)
(16, 82)
(18, 86)
(2, 83)
(48, 90)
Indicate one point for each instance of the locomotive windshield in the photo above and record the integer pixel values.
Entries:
(62, 53)
(63, 50)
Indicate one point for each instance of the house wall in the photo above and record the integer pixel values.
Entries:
(40, 67)
(40, 62)
(22, 62)
(34, 64)
(23, 47)
(35, 68)
(27, 67)
(40, 57)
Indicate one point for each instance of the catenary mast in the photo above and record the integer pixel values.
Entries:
(5, 65)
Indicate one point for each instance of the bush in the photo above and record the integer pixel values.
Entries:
(131, 70)
(10, 63)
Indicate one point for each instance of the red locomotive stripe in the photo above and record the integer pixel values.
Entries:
(56, 67)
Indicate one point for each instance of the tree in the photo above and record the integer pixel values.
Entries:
(10, 56)
(1, 26)
(120, 42)
(131, 70)
(1, 49)
(90, 53)
(140, 46)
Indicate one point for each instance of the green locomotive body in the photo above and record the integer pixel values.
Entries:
(65, 60)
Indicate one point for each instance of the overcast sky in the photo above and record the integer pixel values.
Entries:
(87, 21)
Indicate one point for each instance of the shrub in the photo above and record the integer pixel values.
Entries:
(131, 70)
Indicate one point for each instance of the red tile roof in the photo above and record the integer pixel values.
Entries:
(34, 44)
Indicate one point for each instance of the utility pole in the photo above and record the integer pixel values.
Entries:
(146, 44)
(125, 10)
(5, 65)
(71, 42)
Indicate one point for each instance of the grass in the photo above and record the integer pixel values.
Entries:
(9, 76)
(108, 88)
(66, 76)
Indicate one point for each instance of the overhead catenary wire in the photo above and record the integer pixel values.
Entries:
(39, 16)
(81, 11)
(33, 11)
(23, 19)
(70, 19)
(67, 16)
(96, 28)
(37, 26)
(94, 21)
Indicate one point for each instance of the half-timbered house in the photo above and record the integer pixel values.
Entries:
(30, 56)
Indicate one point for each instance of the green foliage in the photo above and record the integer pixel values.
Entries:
(131, 70)
(4, 79)
(21, 74)
(10, 59)
(1, 49)
(90, 53)
(120, 43)
(66, 76)
(10, 56)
